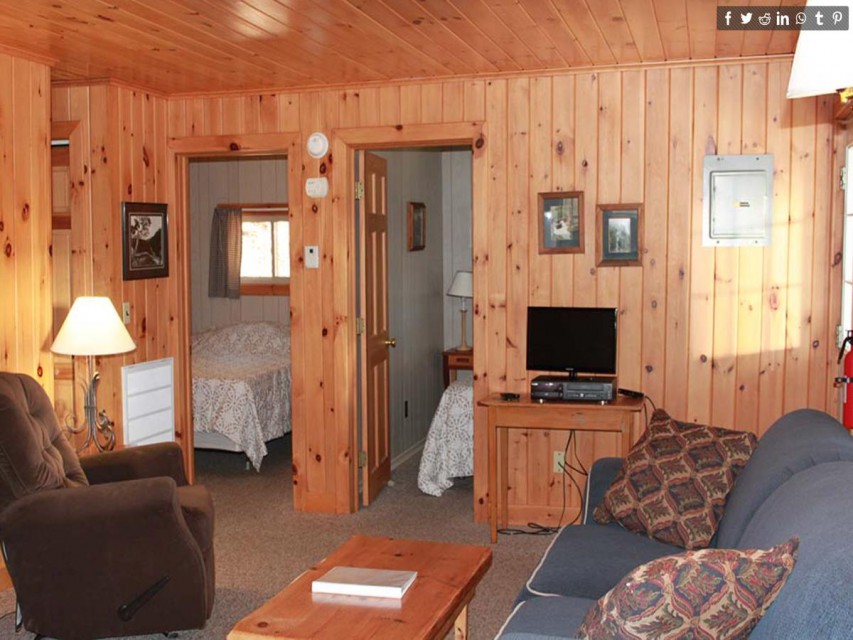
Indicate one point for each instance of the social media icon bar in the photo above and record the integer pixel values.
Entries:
(754, 18)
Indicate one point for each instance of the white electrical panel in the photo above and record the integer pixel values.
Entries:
(737, 201)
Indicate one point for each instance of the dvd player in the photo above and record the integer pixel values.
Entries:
(576, 389)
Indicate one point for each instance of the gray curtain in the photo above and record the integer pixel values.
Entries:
(226, 249)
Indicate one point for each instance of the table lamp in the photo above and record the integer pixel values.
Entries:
(822, 58)
(93, 328)
(462, 287)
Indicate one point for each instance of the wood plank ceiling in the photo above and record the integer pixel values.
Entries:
(208, 46)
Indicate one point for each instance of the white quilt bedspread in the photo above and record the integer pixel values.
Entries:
(241, 385)
(449, 448)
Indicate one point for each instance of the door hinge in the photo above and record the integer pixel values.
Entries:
(359, 190)
(362, 459)
(359, 326)
(844, 178)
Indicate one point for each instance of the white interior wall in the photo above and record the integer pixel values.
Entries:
(456, 209)
(214, 181)
(416, 297)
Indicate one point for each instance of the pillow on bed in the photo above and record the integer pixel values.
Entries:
(247, 338)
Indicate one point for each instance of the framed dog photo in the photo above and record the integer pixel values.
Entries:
(145, 240)
(561, 222)
(618, 229)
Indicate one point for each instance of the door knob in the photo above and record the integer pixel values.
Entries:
(392, 342)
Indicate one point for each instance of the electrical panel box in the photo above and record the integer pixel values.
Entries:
(737, 201)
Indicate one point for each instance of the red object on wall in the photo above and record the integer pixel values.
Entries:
(847, 379)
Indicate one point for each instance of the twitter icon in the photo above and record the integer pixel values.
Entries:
(746, 18)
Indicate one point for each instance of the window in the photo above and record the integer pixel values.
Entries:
(265, 263)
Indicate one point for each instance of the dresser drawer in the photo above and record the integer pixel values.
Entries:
(459, 360)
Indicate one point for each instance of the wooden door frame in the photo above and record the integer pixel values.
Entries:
(345, 143)
(180, 152)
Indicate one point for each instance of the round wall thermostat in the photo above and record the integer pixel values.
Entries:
(317, 145)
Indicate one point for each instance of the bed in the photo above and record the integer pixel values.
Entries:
(449, 448)
(241, 387)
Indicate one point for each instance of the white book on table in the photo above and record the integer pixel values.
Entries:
(360, 581)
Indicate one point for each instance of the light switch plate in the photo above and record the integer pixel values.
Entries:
(125, 312)
(312, 257)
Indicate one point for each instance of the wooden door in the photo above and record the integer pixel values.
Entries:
(375, 341)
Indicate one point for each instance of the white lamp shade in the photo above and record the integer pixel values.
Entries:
(462, 285)
(822, 59)
(92, 328)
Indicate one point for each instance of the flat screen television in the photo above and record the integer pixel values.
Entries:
(574, 340)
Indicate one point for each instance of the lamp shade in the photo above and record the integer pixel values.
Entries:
(822, 58)
(462, 285)
(92, 328)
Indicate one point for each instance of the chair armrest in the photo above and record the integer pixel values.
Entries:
(97, 548)
(147, 461)
(601, 474)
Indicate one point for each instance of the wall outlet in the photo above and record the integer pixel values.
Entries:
(559, 461)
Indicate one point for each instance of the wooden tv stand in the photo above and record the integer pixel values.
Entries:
(619, 415)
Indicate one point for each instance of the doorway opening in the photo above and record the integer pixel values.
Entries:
(239, 312)
(413, 234)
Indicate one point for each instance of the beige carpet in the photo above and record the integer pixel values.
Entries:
(262, 544)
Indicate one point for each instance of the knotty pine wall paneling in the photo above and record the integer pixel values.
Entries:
(120, 156)
(26, 312)
(732, 336)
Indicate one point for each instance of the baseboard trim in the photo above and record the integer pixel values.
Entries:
(412, 451)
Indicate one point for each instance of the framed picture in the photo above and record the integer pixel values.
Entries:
(417, 226)
(145, 240)
(561, 222)
(618, 229)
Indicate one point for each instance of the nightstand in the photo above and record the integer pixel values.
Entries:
(453, 360)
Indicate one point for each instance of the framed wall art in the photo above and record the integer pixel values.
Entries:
(416, 226)
(561, 222)
(145, 240)
(618, 230)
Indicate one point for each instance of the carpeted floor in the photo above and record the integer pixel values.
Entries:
(262, 544)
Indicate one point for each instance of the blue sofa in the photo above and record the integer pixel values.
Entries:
(798, 482)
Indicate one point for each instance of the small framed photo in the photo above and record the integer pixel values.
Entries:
(561, 222)
(145, 240)
(416, 232)
(618, 229)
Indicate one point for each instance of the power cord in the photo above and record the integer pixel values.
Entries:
(536, 529)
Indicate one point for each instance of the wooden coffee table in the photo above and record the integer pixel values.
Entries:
(434, 605)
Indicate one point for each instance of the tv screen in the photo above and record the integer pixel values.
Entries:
(576, 340)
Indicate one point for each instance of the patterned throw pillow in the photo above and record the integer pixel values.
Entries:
(674, 482)
(710, 593)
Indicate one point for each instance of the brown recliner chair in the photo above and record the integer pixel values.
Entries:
(112, 544)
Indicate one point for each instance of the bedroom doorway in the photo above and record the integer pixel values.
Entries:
(413, 235)
(239, 268)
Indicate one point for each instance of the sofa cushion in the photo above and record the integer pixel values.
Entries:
(545, 619)
(674, 482)
(816, 504)
(586, 561)
(34, 452)
(710, 593)
(797, 441)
